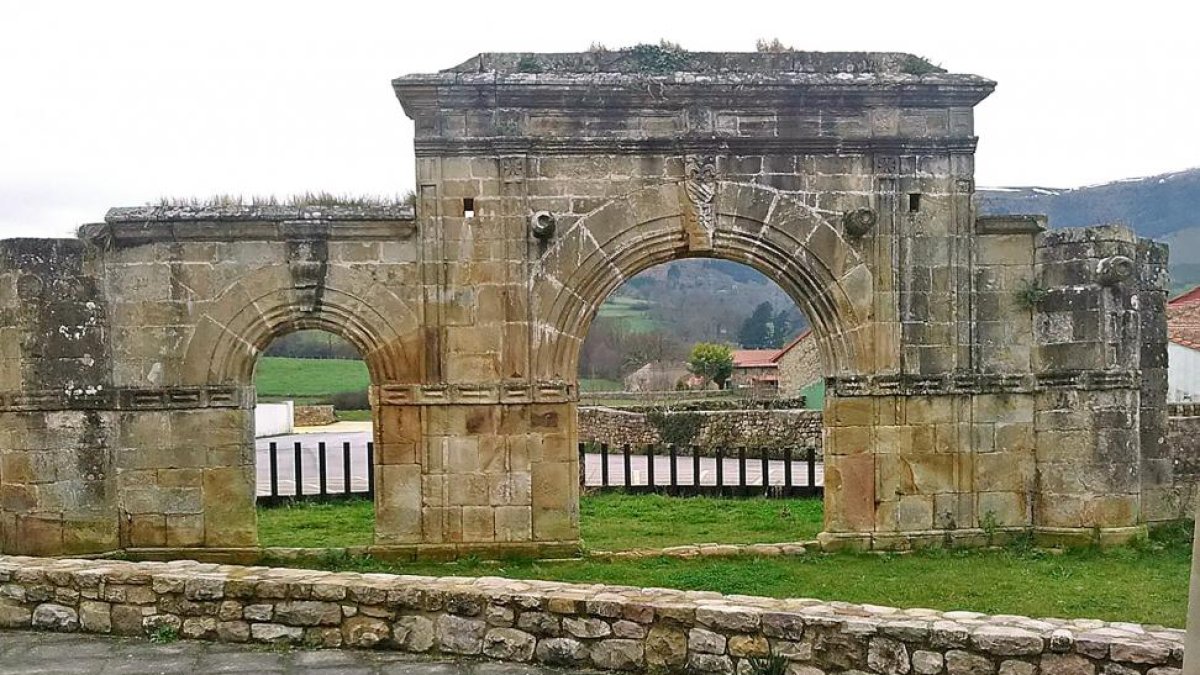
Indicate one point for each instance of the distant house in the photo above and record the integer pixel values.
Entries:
(657, 376)
(1183, 347)
(755, 368)
(787, 370)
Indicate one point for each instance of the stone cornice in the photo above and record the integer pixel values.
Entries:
(230, 396)
(129, 398)
(423, 94)
(474, 146)
(466, 393)
(132, 227)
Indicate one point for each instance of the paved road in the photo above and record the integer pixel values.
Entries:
(334, 459)
(29, 653)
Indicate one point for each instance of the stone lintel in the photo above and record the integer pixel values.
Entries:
(1011, 224)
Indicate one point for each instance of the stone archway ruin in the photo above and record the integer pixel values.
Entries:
(986, 374)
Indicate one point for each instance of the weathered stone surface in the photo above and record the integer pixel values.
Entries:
(1130, 652)
(784, 626)
(199, 627)
(561, 652)
(617, 654)
(95, 617)
(710, 663)
(629, 629)
(364, 631)
(1066, 664)
(414, 633)
(274, 632)
(740, 619)
(666, 647)
(706, 641)
(233, 631)
(55, 617)
(749, 646)
(586, 628)
(888, 656)
(926, 662)
(959, 662)
(14, 616)
(508, 644)
(1005, 641)
(126, 620)
(1014, 667)
(457, 635)
(308, 613)
(539, 623)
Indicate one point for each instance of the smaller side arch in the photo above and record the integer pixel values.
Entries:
(264, 305)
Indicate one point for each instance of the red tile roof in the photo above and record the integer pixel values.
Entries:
(1183, 319)
(755, 358)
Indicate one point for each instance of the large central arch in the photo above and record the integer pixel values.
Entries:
(774, 233)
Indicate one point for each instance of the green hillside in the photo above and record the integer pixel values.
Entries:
(308, 379)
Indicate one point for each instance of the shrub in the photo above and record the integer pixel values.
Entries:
(350, 400)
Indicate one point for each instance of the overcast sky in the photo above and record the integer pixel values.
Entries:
(118, 103)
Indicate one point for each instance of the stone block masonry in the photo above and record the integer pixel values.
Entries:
(610, 628)
(980, 370)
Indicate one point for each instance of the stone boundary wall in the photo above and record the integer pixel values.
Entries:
(314, 415)
(604, 627)
(1179, 500)
(770, 429)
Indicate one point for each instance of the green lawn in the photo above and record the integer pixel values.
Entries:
(1147, 583)
(308, 379)
(609, 522)
(618, 522)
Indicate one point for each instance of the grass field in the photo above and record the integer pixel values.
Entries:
(609, 522)
(308, 380)
(1147, 583)
(599, 384)
(634, 314)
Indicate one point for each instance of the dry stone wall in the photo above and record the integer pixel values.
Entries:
(770, 430)
(314, 415)
(610, 628)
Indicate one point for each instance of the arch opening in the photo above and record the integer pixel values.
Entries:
(313, 441)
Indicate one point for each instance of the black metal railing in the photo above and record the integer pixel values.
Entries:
(354, 477)
(321, 472)
(740, 472)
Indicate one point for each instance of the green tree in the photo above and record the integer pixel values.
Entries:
(782, 328)
(712, 361)
(757, 330)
